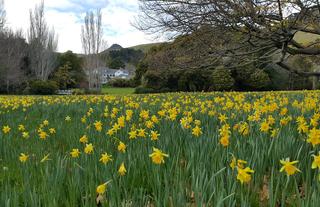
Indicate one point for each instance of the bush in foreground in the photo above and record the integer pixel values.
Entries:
(39, 87)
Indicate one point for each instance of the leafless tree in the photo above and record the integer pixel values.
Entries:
(43, 44)
(2, 15)
(268, 28)
(12, 51)
(92, 43)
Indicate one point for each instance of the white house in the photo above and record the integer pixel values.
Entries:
(121, 73)
(108, 74)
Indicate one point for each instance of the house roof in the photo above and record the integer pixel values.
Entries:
(106, 70)
(110, 71)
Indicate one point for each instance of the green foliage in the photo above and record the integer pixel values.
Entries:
(153, 79)
(75, 62)
(140, 71)
(78, 91)
(118, 58)
(259, 80)
(39, 87)
(222, 80)
(69, 73)
(194, 80)
(116, 63)
(121, 83)
(177, 80)
(63, 77)
(252, 78)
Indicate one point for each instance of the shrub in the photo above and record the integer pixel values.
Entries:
(222, 80)
(142, 68)
(194, 80)
(121, 83)
(77, 91)
(252, 78)
(40, 87)
(153, 79)
(259, 80)
(172, 80)
(142, 90)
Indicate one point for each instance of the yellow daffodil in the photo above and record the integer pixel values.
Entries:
(224, 141)
(222, 118)
(105, 158)
(25, 135)
(244, 175)
(43, 135)
(233, 162)
(88, 149)
(6, 129)
(316, 161)
(122, 170)
(75, 153)
(196, 131)
(52, 130)
(21, 128)
(264, 127)
(45, 122)
(133, 134)
(314, 137)
(83, 139)
(68, 118)
(122, 147)
(141, 133)
(154, 135)
(101, 189)
(158, 156)
(23, 157)
(98, 126)
(288, 166)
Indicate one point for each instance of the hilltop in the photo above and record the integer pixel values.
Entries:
(145, 47)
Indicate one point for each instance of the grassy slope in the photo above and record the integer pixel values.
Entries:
(144, 47)
(117, 91)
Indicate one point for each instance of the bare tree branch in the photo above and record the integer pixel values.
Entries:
(43, 44)
(263, 25)
(92, 44)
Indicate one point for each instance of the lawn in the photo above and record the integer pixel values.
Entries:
(117, 91)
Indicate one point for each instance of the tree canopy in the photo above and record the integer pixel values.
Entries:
(261, 29)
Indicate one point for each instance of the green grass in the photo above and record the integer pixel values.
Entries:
(117, 91)
(197, 171)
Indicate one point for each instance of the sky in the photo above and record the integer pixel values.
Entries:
(66, 16)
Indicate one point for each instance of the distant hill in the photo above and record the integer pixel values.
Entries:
(114, 47)
(144, 47)
(117, 56)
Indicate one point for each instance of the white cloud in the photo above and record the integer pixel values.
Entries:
(65, 17)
